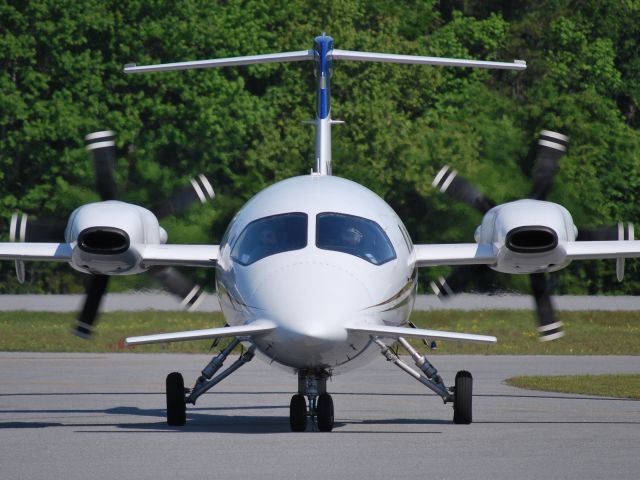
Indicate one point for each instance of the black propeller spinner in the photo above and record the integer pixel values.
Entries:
(102, 147)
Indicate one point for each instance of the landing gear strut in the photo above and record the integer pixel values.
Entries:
(177, 397)
(460, 395)
(313, 385)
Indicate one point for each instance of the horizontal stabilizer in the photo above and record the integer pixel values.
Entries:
(335, 54)
(421, 60)
(180, 255)
(395, 332)
(259, 327)
(454, 254)
(223, 62)
(54, 252)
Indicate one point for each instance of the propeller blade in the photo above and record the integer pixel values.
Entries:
(551, 147)
(102, 147)
(21, 274)
(548, 327)
(621, 231)
(25, 229)
(457, 281)
(448, 181)
(198, 190)
(176, 283)
(96, 287)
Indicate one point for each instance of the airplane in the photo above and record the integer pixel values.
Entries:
(317, 273)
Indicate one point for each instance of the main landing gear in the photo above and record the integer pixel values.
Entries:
(313, 386)
(460, 395)
(178, 396)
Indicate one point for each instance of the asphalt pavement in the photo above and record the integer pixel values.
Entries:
(101, 416)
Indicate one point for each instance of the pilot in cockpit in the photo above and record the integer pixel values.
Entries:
(267, 243)
(351, 237)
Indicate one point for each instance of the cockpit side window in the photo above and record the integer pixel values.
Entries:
(270, 235)
(357, 236)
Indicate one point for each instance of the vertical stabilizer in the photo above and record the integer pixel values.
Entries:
(324, 68)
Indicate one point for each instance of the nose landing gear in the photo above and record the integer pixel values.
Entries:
(313, 386)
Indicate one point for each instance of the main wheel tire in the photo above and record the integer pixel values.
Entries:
(176, 405)
(462, 404)
(298, 413)
(325, 413)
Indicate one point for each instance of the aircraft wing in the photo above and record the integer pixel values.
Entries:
(454, 254)
(180, 255)
(56, 252)
(395, 332)
(152, 255)
(258, 327)
(603, 249)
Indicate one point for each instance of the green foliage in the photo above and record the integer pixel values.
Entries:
(61, 78)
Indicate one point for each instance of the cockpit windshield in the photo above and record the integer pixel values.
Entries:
(357, 236)
(270, 235)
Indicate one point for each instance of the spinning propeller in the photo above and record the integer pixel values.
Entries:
(551, 146)
(102, 147)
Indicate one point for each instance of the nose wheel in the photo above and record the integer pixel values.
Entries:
(298, 413)
(320, 408)
(324, 413)
(312, 386)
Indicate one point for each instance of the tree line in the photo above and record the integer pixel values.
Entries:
(61, 78)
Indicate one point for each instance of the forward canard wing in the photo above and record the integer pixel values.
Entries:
(386, 331)
(258, 327)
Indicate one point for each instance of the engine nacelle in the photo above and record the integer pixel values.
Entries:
(528, 236)
(105, 237)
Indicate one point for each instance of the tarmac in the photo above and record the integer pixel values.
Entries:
(154, 300)
(101, 416)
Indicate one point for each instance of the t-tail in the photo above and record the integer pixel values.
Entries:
(323, 54)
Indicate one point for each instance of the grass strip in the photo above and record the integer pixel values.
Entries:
(620, 386)
(51, 332)
(587, 333)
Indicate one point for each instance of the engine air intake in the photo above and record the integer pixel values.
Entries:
(531, 239)
(103, 240)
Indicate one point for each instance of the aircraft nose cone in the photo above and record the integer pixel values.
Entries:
(312, 299)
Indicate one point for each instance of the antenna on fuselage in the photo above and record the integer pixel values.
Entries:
(323, 54)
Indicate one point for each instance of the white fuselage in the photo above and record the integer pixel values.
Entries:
(313, 293)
